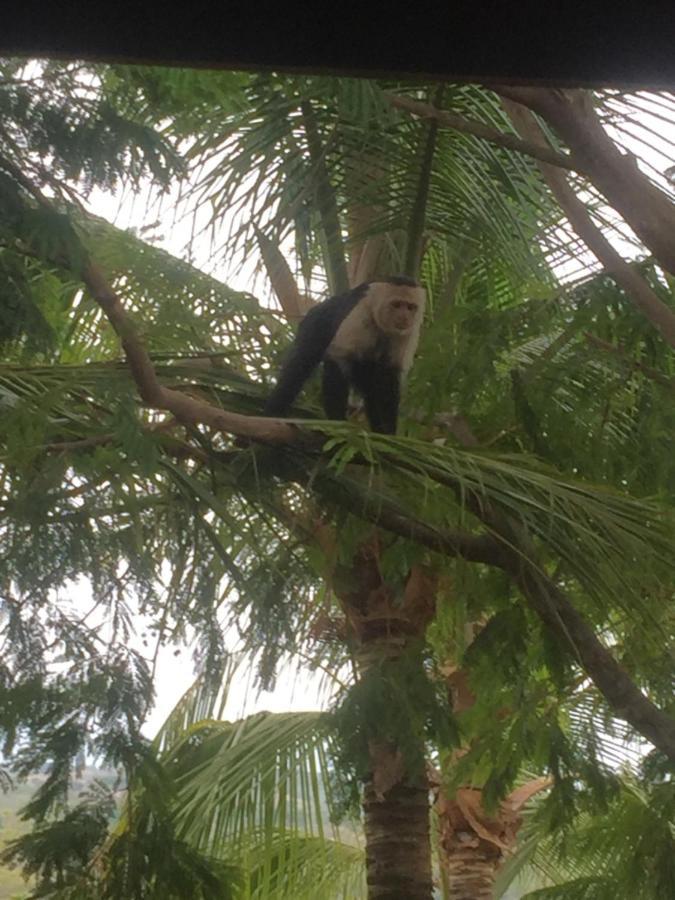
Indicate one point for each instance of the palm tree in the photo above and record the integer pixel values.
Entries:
(403, 563)
(263, 792)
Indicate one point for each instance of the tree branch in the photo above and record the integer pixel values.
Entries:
(293, 303)
(187, 410)
(172, 445)
(415, 232)
(643, 205)
(363, 189)
(328, 210)
(554, 608)
(511, 550)
(636, 288)
(480, 130)
(617, 687)
(388, 515)
(25, 182)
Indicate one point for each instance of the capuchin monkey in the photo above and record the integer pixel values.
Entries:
(366, 339)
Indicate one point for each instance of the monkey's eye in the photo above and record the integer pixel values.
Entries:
(411, 307)
(397, 304)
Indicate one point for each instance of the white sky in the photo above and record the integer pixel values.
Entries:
(174, 675)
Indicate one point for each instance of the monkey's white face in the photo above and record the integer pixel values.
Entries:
(398, 309)
(393, 310)
(400, 315)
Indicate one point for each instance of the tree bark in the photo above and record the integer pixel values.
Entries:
(471, 870)
(472, 843)
(293, 303)
(364, 183)
(417, 223)
(398, 855)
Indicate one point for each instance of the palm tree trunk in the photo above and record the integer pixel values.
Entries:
(472, 843)
(471, 872)
(398, 850)
(396, 798)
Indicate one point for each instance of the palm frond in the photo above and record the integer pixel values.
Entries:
(269, 774)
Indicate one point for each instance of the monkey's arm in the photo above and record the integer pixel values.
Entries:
(315, 333)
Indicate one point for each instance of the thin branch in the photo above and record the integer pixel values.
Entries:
(327, 204)
(187, 410)
(99, 440)
(415, 233)
(486, 132)
(25, 182)
(293, 303)
(626, 276)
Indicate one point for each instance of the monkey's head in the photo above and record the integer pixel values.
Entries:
(398, 305)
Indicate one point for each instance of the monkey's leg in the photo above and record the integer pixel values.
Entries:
(334, 390)
(302, 361)
(381, 388)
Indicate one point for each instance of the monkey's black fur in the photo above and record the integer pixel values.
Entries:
(373, 368)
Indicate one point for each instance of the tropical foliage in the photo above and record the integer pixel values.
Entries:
(515, 539)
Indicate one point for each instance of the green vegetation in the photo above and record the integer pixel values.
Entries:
(488, 594)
